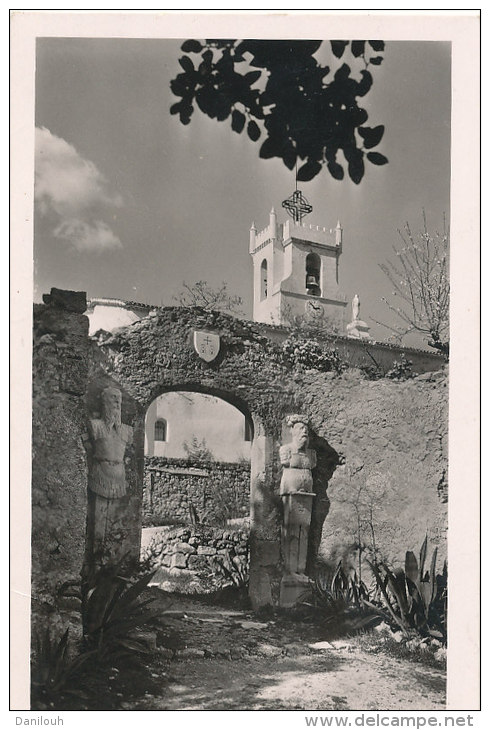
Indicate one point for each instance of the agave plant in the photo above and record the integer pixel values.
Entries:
(112, 611)
(415, 598)
(54, 668)
(231, 572)
(341, 601)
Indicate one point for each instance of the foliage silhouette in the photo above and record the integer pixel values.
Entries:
(277, 91)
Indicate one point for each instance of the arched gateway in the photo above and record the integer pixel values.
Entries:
(356, 431)
(211, 353)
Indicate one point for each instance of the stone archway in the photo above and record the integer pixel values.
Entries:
(157, 355)
(114, 532)
(264, 527)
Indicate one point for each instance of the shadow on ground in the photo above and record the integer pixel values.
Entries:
(228, 659)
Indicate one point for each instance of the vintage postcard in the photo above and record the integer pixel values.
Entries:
(245, 247)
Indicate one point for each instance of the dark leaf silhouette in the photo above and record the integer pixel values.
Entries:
(253, 130)
(356, 166)
(376, 158)
(357, 48)
(237, 121)
(365, 83)
(281, 94)
(270, 148)
(289, 157)
(371, 135)
(309, 170)
(186, 64)
(338, 47)
(377, 45)
(336, 170)
(195, 47)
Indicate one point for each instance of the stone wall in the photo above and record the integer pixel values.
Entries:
(384, 437)
(187, 559)
(59, 472)
(212, 491)
(389, 488)
(381, 444)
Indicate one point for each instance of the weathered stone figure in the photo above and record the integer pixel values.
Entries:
(109, 439)
(106, 444)
(297, 497)
(296, 458)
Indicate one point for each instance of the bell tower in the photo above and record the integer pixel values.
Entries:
(296, 268)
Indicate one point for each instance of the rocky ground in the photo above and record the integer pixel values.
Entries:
(208, 657)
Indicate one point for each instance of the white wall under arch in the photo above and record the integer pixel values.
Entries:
(204, 416)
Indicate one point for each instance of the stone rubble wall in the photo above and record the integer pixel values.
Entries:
(59, 469)
(186, 556)
(381, 444)
(217, 491)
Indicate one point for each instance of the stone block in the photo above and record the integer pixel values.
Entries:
(71, 301)
(190, 653)
(205, 550)
(179, 560)
(268, 650)
(239, 560)
(184, 547)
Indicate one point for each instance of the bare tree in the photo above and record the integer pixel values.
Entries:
(201, 294)
(420, 280)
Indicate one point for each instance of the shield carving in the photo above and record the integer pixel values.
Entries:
(206, 344)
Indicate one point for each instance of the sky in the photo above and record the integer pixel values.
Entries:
(129, 203)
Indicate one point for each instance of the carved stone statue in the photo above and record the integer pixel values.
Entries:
(107, 440)
(106, 443)
(356, 308)
(297, 498)
(357, 329)
(297, 459)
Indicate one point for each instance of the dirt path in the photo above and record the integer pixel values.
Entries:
(229, 660)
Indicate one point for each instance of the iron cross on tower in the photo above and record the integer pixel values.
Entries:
(296, 205)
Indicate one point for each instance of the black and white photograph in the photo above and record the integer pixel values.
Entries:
(251, 281)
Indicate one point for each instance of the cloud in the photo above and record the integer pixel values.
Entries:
(87, 236)
(76, 192)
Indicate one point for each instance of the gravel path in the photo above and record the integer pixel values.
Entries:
(230, 660)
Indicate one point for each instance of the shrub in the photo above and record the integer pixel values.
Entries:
(55, 668)
(401, 369)
(112, 610)
(340, 602)
(310, 354)
(415, 599)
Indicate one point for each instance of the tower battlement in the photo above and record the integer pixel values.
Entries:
(296, 271)
(300, 231)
